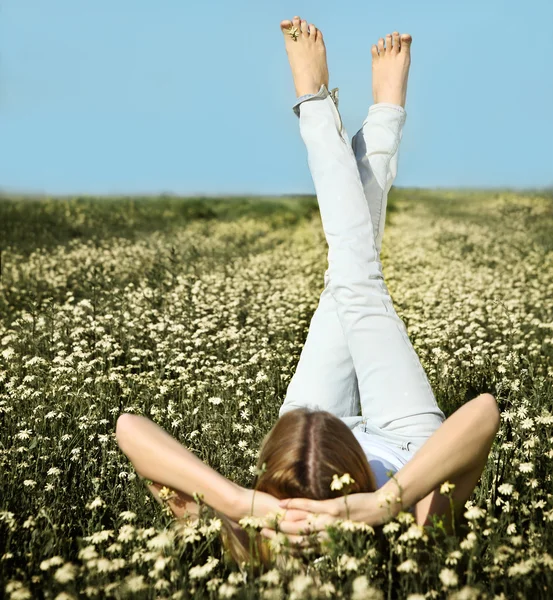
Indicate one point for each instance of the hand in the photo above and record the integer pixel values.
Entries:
(304, 516)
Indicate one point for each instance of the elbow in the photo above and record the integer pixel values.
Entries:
(124, 430)
(489, 414)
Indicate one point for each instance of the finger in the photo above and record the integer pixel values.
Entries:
(295, 527)
(268, 533)
(295, 540)
(305, 541)
(288, 515)
(309, 524)
(302, 504)
(296, 515)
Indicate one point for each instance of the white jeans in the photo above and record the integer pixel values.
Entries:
(357, 357)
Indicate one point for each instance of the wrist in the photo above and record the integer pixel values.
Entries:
(373, 508)
(354, 504)
(238, 503)
(389, 501)
(252, 503)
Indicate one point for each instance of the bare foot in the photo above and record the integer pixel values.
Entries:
(391, 68)
(307, 55)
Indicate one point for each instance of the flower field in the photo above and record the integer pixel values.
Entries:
(193, 313)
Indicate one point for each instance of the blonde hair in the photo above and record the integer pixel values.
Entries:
(298, 458)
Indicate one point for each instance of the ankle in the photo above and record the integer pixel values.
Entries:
(307, 90)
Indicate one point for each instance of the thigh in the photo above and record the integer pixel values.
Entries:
(325, 376)
(396, 398)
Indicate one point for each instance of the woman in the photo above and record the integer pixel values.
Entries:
(357, 356)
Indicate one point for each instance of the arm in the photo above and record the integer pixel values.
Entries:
(158, 456)
(456, 452)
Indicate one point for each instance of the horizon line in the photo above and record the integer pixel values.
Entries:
(7, 194)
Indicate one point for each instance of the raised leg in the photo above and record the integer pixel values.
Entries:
(376, 144)
(325, 377)
(395, 395)
(325, 374)
(376, 149)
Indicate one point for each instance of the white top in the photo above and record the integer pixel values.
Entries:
(383, 456)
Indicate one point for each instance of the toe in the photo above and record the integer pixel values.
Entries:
(389, 43)
(381, 45)
(374, 51)
(304, 29)
(395, 41)
(296, 22)
(312, 32)
(285, 25)
(406, 40)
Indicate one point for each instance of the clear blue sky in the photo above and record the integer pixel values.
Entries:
(136, 96)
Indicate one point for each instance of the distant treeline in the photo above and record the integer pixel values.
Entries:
(28, 223)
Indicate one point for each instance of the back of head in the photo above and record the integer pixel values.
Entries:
(298, 459)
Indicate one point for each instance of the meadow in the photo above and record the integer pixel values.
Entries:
(193, 312)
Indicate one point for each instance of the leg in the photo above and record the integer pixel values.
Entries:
(325, 375)
(376, 144)
(395, 394)
(376, 148)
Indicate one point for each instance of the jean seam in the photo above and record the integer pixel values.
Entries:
(381, 200)
(352, 402)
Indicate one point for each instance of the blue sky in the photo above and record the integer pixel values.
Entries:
(136, 96)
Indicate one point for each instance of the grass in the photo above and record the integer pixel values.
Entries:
(154, 306)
